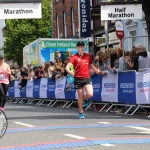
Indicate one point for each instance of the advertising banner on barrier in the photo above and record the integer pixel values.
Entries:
(143, 88)
(23, 92)
(11, 90)
(36, 88)
(110, 88)
(43, 88)
(127, 88)
(51, 88)
(97, 87)
(17, 90)
(60, 87)
(72, 93)
(29, 89)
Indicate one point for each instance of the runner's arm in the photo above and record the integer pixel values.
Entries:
(94, 68)
(7, 71)
(68, 68)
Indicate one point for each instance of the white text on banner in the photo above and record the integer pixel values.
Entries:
(143, 88)
(17, 90)
(43, 88)
(60, 86)
(29, 89)
(110, 88)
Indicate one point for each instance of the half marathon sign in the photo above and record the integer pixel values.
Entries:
(20, 10)
(117, 12)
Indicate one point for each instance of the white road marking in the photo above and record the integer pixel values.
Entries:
(24, 124)
(105, 122)
(139, 128)
(107, 145)
(75, 136)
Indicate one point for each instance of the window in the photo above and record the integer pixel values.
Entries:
(65, 25)
(133, 39)
(72, 20)
(58, 32)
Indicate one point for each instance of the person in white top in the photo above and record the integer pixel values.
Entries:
(5, 72)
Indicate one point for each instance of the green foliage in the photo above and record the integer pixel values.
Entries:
(21, 32)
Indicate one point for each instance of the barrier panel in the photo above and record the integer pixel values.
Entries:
(128, 87)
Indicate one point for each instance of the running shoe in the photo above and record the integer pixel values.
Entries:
(86, 103)
(81, 116)
(68, 89)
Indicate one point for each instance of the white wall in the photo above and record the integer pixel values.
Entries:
(2, 24)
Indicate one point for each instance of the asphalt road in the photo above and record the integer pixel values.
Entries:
(45, 128)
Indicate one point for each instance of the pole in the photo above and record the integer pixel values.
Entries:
(121, 43)
(79, 21)
(106, 33)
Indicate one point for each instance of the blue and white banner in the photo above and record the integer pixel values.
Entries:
(143, 88)
(17, 90)
(11, 90)
(110, 88)
(43, 88)
(36, 88)
(72, 93)
(51, 88)
(97, 88)
(60, 87)
(85, 22)
(29, 89)
(130, 88)
(23, 92)
(126, 88)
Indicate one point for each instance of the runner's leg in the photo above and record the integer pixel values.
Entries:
(80, 100)
(89, 91)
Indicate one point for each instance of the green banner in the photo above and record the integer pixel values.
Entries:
(60, 44)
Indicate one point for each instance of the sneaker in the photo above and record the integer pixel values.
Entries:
(81, 116)
(86, 103)
(68, 89)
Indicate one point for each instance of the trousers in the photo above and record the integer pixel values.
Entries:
(3, 92)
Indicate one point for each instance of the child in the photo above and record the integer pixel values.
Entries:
(70, 80)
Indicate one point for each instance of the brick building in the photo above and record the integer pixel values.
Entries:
(65, 18)
(65, 23)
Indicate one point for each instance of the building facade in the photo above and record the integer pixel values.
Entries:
(135, 28)
(65, 18)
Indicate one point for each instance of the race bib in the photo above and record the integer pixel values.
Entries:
(2, 76)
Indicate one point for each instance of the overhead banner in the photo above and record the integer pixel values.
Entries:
(85, 23)
(20, 10)
(120, 12)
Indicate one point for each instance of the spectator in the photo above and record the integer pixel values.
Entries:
(114, 63)
(142, 59)
(105, 63)
(23, 78)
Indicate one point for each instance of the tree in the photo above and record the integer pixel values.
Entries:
(21, 32)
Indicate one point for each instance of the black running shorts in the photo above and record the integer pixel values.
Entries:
(79, 83)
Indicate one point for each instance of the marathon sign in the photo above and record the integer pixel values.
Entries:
(120, 12)
(20, 10)
(85, 23)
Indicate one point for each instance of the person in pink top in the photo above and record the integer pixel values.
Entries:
(5, 72)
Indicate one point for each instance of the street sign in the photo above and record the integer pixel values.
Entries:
(119, 30)
(95, 14)
(120, 12)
